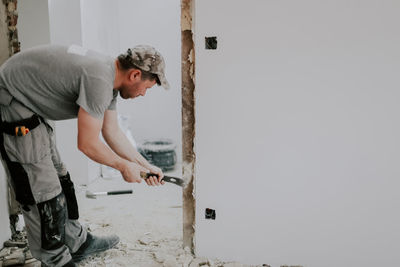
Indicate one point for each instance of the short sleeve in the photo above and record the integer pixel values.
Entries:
(95, 95)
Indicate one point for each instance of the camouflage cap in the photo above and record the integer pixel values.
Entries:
(147, 58)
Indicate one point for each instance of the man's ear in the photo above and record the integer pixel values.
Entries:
(135, 75)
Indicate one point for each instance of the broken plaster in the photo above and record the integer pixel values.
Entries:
(186, 15)
(12, 19)
(188, 120)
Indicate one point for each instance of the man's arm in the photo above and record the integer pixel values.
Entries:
(90, 144)
(121, 145)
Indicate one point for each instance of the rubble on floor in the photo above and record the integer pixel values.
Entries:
(16, 252)
(149, 251)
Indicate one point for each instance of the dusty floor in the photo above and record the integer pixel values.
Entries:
(148, 222)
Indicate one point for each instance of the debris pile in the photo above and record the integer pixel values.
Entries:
(149, 251)
(16, 252)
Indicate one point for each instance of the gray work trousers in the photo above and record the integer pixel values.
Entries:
(52, 235)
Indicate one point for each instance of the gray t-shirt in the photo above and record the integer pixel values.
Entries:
(54, 81)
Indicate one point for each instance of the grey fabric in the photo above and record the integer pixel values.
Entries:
(5, 97)
(55, 155)
(39, 157)
(54, 81)
(56, 257)
(75, 236)
(33, 151)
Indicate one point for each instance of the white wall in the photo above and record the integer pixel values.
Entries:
(33, 23)
(65, 22)
(297, 126)
(157, 23)
(100, 29)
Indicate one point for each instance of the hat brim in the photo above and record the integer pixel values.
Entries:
(163, 80)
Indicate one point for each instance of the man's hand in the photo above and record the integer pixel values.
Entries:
(153, 180)
(131, 172)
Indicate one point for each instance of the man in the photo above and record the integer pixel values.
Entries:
(58, 83)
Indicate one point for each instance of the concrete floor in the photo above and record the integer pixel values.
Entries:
(148, 222)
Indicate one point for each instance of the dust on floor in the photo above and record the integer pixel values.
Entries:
(148, 222)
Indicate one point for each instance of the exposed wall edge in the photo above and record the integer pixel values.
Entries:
(188, 122)
(12, 19)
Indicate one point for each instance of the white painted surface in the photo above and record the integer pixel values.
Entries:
(157, 23)
(100, 30)
(65, 22)
(33, 23)
(297, 126)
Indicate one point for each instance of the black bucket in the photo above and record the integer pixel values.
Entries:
(160, 153)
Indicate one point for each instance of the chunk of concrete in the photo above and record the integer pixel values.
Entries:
(185, 259)
(10, 243)
(15, 258)
(145, 240)
(5, 252)
(32, 263)
(170, 262)
(160, 256)
(197, 262)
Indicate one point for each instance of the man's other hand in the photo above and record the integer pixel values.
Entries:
(131, 172)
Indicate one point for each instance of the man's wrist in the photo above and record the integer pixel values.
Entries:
(121, 164)
(143, 163)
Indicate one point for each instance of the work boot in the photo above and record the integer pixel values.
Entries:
(94, 244)
(69, 264)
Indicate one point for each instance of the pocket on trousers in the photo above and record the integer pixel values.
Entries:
(31, 148)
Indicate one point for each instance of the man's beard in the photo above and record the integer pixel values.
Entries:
(123, 92)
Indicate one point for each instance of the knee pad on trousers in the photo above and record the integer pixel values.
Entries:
(69, 192)
(53, 215)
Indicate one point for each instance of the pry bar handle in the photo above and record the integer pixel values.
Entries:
(169, 179)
